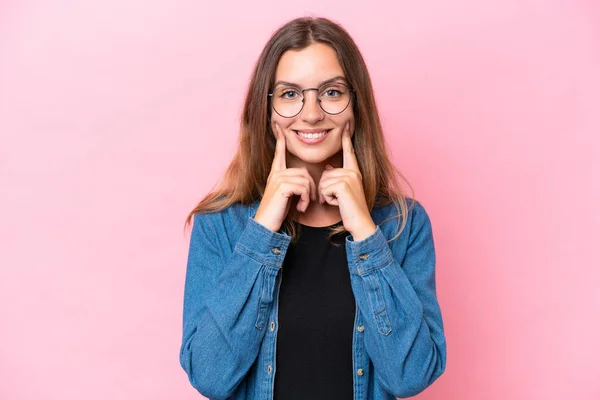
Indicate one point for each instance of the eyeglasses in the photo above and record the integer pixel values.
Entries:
(333, 98)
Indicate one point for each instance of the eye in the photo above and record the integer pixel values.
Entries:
(288, 94)
(333, 93)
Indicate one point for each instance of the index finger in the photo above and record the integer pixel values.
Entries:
(279, 158)
(350, 161)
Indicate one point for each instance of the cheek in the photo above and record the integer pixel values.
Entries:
(282, 122)
(346, 116)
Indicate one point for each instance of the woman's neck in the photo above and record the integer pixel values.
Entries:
(315, 169)
(318, 214)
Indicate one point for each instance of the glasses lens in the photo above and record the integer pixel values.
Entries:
(333, 98)
(287, 101)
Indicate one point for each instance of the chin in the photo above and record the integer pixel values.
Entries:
(313, 157)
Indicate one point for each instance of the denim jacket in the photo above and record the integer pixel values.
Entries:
(231, 301)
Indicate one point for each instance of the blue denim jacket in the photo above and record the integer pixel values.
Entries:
(231, 301)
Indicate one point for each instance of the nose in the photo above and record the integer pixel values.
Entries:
(312, 111)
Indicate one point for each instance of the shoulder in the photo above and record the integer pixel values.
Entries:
(227, 221)
(389, 217)
(394, 210)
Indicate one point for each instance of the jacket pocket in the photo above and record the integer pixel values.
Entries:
(266, 296)
(375, 296)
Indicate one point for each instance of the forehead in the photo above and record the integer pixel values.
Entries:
(315, 63)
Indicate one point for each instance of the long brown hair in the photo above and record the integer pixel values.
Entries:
(246, 177)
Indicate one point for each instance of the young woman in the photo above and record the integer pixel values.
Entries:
(310, 274)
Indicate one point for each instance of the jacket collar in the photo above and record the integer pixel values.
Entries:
(253, 207)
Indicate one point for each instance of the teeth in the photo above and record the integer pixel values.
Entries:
(312, 135)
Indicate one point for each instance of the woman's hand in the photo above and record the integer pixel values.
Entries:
(282, 184)
(343, 187)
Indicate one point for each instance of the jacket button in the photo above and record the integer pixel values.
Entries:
(272, 326)
(269, 369)
(360, 328)
(363, 256)
(360, 372)
(276, 250)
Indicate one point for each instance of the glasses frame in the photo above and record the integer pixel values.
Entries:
(350, 90)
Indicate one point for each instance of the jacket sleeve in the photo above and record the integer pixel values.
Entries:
(227, 297)
(394, 286)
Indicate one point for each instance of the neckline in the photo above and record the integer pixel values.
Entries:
(319, 227)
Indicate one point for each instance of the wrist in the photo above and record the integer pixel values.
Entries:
(265, 224)
(364, 232)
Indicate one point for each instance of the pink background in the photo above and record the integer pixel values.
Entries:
(116, 116)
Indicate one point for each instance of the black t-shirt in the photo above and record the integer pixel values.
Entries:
(316, 320)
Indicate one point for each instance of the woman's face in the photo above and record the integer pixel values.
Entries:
(308, 68)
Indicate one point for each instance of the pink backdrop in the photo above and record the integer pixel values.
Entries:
(116, 116)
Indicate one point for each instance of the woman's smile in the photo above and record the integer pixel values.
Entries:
(310, 137)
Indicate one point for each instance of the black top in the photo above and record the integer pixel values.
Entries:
(316, 320)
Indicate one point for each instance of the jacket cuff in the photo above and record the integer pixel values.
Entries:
(263, 244)
(371, 253)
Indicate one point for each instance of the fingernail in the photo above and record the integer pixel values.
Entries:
(328, 166)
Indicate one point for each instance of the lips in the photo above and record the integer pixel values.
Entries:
(313, 131)
(316, 130)
(312, 140)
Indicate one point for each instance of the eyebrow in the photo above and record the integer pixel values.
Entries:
(337, 78)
